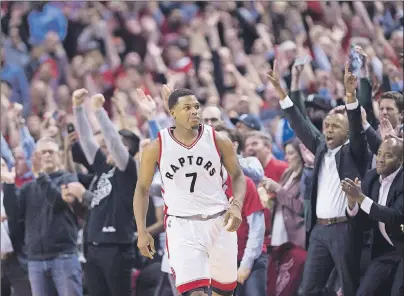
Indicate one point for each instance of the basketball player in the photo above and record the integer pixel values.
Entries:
(200, 222)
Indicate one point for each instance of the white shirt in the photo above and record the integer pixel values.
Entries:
(331, 200)
(366, 205)
(6, 245)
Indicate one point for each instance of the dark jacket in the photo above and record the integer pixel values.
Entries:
(15, 224)
(352, 160)
(392, 215)
(50, 223)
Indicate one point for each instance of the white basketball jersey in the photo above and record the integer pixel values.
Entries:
(191, 175)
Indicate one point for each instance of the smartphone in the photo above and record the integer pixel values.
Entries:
(302, 60)
(70, 128)
(355, 60)
(55, 115)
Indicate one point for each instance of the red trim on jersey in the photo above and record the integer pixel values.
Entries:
(161, 147)
(193, 285)
(165, 227)
(223, 287)
(214, 141)
(200, 133)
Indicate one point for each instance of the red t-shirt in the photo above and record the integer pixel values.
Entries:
(275, 168)
(252, 204)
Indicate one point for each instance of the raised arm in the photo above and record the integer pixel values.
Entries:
(87, 140)
(116, 148)
(147, 169)
(357, 137)
(303, 130)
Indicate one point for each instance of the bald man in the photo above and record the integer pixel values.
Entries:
(212, 115)
(378, 205)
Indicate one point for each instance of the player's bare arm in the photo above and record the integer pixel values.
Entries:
(147, 169)
(230, 161)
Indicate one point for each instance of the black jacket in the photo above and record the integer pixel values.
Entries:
(392, 215)
(352, 160)
(50, 223)
(15, 224)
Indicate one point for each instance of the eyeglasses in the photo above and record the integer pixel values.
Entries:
(50, 151)
(211, 119)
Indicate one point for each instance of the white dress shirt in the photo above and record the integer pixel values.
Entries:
(6, 245)
(331, 200)
(366, 205)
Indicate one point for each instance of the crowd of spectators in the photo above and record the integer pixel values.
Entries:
(84, 87)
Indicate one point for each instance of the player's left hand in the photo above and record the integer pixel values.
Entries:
(243, 274)
(232, 218)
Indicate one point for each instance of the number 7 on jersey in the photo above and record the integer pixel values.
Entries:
(193, 176)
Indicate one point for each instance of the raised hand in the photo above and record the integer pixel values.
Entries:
(386, 128)
(350, 81)
(273, 75)
(79, 96)
(98, 101)
(165, 94)
(146, 104)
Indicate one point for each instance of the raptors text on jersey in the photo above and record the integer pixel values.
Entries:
(191, 175)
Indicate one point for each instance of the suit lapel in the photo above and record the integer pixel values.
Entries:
(393, 186)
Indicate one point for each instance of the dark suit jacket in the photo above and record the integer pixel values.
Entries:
(15, 224)
(352, 160)
(392, 215)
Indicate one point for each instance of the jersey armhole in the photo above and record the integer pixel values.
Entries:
(160, 139)
(215, 142)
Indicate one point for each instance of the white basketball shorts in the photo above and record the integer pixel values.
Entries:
(201, 254)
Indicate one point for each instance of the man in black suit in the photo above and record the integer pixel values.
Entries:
(341, 152)
(381, 200)
(13, 263)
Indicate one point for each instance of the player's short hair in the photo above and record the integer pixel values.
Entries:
(176, 94)
(265, 137)
(396, 96)
(234, 135)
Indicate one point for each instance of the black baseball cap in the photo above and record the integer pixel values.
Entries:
(250, 120)
(131, 140)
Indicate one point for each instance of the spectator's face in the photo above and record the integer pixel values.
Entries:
(211, 116)
(63, 95)
(52, 129)
(49, 153)
(335, 130)
(34, 126)
(293, 158)
(20, 162)
(174, 54)
(389, 110)
(397, 41)
(387, 158)
(255, 146)
(187, 112)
